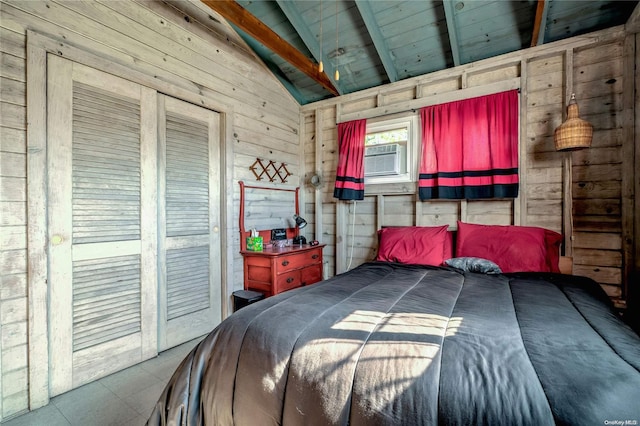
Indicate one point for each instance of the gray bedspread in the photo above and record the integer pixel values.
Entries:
(390, 344)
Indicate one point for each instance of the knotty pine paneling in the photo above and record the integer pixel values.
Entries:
(13, 231)
(597, 172)
(441, 86)
(597, 78)
(197, 56)
(493, 75)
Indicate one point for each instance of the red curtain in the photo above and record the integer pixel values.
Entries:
(470, 148)
(350, 173)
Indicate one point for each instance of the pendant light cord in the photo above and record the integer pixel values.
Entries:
(320, 64)
(337, 73)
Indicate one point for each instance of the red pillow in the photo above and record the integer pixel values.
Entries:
(513, 248)
(553, 241)
(419, 245)
(448, 245)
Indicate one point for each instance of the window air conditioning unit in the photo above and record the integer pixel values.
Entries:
(382, 160)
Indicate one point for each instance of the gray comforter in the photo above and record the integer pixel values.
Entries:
(390, 344)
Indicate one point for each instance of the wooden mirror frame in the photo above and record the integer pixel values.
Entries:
(264, 233)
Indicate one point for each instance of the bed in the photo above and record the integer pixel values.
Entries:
(394, 343)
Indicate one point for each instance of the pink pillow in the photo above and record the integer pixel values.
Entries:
(513, 248)
(418, 245)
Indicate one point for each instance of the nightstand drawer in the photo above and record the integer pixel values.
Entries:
(275, 270)
(288, 280)
(311, 274)
(297, 261)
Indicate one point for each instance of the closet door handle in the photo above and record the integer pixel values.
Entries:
(285, 262)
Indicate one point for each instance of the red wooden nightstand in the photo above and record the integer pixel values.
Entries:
(275, 270)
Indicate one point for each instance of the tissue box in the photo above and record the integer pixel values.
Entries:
(254, 243)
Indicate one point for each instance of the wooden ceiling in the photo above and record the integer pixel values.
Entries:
(375, 42)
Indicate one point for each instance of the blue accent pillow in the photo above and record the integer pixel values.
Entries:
(474, 264)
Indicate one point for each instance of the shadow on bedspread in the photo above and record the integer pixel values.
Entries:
(396, 344)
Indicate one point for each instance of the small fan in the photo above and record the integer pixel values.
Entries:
(315, 181)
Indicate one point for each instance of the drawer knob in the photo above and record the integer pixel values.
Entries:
(289, 280)
(285, 262)
(315, 256)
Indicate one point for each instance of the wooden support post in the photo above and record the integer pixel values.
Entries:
(418, 211)
(463, 210)
(379, 211)
(341, 236)
(629, 169)
(567, 173)
(520, 204)
(319, 158)
(567, 205)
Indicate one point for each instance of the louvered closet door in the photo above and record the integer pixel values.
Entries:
(189, 252)
(102, 166)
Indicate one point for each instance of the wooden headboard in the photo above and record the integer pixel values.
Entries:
(566, 265)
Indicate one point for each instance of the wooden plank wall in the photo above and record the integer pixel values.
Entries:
(592, 66)
(195, 53)
(13, 220)
(597, 172)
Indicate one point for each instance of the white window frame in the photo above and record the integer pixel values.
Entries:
(411, 153)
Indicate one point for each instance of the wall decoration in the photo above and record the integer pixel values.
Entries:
(271, 170)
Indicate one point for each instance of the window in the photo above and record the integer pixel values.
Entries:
(390, 150)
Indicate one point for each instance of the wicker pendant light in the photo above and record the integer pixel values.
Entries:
(575, 133)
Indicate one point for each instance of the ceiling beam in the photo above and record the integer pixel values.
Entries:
(364, 7)
(290, 11)
(633, 23)
(540, 23)
(452, 30)
(239, 16)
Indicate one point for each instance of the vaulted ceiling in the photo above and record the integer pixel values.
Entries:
(375, 42)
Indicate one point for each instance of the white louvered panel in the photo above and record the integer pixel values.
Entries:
(188, 221)
(106, 166)
(115, 111)
(187, 177)
(187, 280)
(102, 206)
(106, 300)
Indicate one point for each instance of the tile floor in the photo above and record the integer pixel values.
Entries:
(124, 398)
